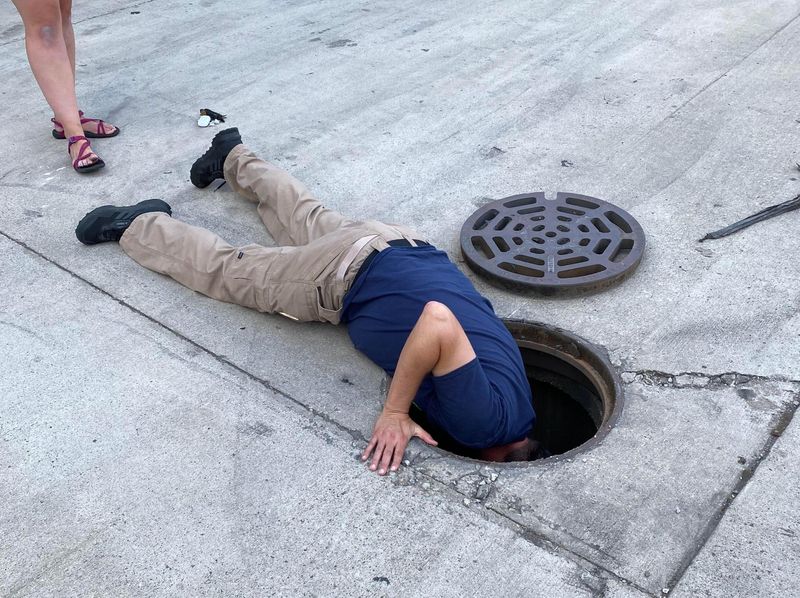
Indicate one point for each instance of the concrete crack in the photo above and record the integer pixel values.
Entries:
(782, 422)
(736, 380)
(698, 379)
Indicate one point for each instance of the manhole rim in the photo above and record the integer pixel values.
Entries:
(564, 287)
(613, 386)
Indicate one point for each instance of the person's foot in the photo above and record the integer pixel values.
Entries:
(107, 223)
(209, 166)
(83, 158)
(92, 128)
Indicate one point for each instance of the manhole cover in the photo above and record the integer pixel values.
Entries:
(576, 393)
(568, 244)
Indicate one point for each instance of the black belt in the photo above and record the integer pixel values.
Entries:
(374, 252)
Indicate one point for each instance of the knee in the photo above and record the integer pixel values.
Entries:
(44, 25)
(47, 33)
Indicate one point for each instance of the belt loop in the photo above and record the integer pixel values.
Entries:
(409, 239)
(351, 255)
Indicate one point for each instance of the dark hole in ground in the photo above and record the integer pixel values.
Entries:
(570, 408)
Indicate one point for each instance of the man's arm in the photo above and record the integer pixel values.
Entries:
(437, 344)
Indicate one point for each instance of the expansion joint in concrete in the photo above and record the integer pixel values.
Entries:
(724, 74)
(530, 535)
(354, 434)
(782, 422)
(522, 530)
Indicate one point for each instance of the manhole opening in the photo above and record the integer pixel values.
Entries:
(576, 392)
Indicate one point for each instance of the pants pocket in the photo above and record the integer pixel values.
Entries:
(331, 314)
(294, 300)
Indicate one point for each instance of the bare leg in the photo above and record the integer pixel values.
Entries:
(69, 33)
(69, 40)
(50, 62)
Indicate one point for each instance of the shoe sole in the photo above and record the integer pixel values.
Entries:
(90, 168)
(90, 218)
(58, 135)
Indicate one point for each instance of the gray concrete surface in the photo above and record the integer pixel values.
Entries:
(755, 549)
(151, 468)
(684, 113)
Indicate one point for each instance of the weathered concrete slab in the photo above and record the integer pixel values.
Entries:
(649, 116)
(721, 154)
(683, 113)
(132, 463)
(754, 551)
(638, 503)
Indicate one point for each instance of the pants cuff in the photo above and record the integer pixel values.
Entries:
(230, 160)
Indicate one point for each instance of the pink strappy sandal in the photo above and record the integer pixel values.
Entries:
(85, 152)
(103, 129)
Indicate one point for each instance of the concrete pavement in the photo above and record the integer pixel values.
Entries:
(155, 442)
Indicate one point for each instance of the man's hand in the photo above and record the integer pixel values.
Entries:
(389, 439)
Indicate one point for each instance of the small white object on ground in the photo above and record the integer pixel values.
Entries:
(204, 120)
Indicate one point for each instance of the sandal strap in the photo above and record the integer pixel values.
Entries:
(101, 124)
(85, 150)
(75, 139)
(102, 129)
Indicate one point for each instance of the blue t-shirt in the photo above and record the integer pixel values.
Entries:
(484, 403)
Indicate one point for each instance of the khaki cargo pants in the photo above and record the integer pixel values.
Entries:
(305, 278)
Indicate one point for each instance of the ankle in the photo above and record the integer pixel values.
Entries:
(72, 132)
(76, 141)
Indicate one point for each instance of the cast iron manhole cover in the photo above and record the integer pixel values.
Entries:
(570, 243)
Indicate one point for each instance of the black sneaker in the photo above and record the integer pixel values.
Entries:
(107, 223)
(209, 166)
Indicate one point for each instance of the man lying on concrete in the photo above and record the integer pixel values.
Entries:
(406, 306)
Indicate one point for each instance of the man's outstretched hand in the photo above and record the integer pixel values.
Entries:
(389, 440)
